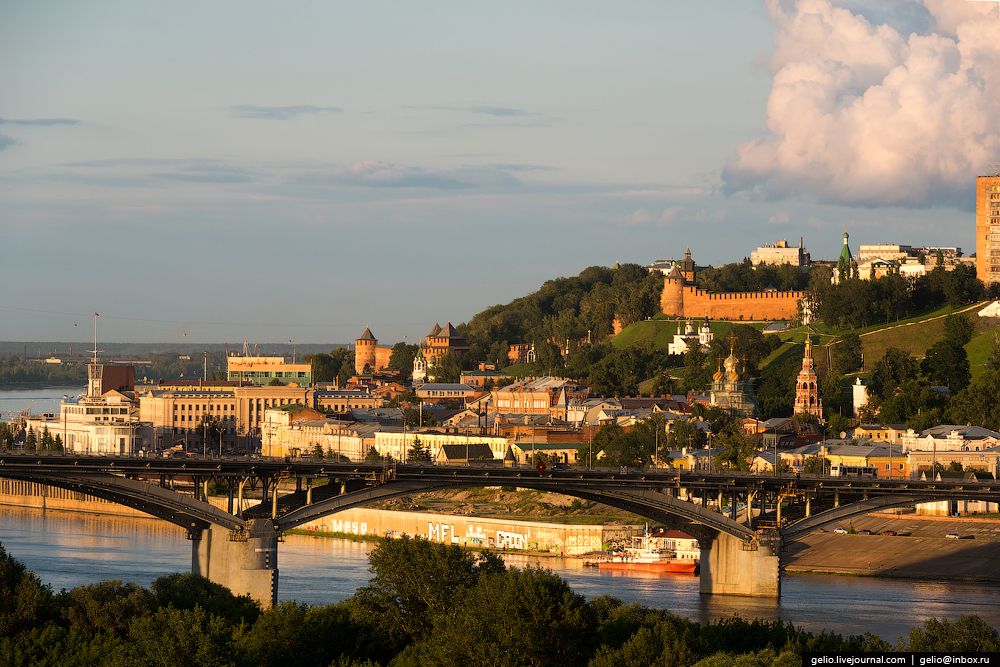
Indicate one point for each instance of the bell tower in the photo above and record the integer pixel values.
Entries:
(807, 398)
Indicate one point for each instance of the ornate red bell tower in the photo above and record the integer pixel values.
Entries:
(807, 386)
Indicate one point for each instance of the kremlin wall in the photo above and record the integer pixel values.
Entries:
(682, 298)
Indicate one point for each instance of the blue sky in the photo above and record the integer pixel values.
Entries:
(233, 171)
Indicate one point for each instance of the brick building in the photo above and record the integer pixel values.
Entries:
(682, 298)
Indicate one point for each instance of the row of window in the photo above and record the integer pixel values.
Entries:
(210, 407)
(191, 418)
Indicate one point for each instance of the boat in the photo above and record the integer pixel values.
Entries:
(643, 554)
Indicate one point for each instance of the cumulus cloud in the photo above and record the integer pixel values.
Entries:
(39, 121)
(780, 218)
(6, 142)
(863, 112)
(376, 174)
(280, 113)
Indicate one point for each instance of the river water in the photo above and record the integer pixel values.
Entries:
(67, 549)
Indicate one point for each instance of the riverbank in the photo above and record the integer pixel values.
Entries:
(919, 550)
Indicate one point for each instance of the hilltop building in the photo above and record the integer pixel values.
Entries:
(703, 337)
(441, 341)
(988, 225)
(845, 262)
(367, 353)
(682, 298)
(780, 253)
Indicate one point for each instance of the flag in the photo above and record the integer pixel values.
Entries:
(96, 315)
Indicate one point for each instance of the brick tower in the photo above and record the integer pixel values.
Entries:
(364, 351)
(807, 386)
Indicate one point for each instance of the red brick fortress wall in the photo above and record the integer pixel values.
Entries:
(694, 303)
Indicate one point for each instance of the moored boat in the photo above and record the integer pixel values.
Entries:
(644, 554)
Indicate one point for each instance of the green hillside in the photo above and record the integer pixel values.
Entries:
(914, 336)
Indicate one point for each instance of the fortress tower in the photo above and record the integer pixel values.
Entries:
(807, 386)
(364, 351)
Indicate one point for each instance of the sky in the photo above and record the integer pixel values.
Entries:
(262, 172)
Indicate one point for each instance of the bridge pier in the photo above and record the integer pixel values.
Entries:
(729, 568)
(245, 562)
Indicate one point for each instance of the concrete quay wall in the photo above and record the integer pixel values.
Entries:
(562, 539)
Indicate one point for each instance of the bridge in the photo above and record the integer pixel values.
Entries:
(238, 547)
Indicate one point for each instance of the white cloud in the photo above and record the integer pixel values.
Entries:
(862, 114)
(780, 218)
(815, 222)
(671, 215)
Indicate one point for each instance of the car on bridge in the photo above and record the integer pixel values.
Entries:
(891, 533)
(953, 536)
(840, 531)
(865, 532)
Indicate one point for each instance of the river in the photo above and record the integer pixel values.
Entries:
(67, 549)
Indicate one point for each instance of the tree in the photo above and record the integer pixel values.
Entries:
(275, 382)
(968, 633)
(57, 444)
(210, 430)
(663, 385)
(684, 433)
(848, 354)
(106, 607)
(737, 449)
(402, 358)
(417, 417)
(415, 580)
(419, 451)
(816, 465)
(946, 364)
(955, 466)
(446, 368)
(180, 638)
(373, 455)
(959, 329)
(697, 374)
(317, 451)
(513, 618)
(24, 601)
(30, 441)
(894, 368)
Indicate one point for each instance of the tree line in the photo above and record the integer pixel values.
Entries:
(426, 604)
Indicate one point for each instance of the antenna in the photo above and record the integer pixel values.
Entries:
(992, 169)
(95, 350)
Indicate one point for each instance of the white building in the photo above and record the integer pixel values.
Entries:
(951, 438)
(96, 424)
(780, 253)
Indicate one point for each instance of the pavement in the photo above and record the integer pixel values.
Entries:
(920, 550)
